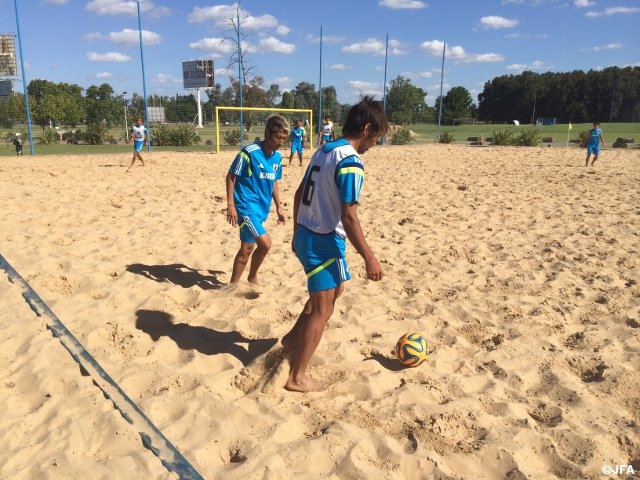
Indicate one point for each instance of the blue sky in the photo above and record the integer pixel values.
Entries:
(97, 41)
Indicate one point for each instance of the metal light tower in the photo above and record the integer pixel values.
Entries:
(126, 128)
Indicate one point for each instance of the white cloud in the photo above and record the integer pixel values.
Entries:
(613, 11)
(132, 37)
(108, 57)
(103, 75)
(165, 78)
(434, 48)
(214, 45)
(484, 58)
(375, 47)
(583, 3)
(90, 37)
(402, 4)
(494, 22)
(273, 45)
(365, 88)
(224, 16)
(531, 67)
(325, 39)
(57, 2)
(130, 8)
(610, 46)
(339, 66)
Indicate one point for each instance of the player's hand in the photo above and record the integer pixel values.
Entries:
(281, 218)
(374, 270)
(232, 215)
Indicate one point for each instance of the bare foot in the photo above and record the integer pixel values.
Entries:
(305, 384)
(256, 287)
(231, 287)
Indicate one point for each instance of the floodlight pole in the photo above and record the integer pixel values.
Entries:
(384, 85)
(24, 81)
(240, 80)
(320, 92)
(126, 127)
(144, 82)
(444, 48)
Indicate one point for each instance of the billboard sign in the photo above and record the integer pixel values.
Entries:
(197, 74)
(7, 55)
(6, 88)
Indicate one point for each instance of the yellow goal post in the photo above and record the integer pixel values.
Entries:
(263, 109)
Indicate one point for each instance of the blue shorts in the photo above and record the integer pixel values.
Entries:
(323, 258)
(595, 149)
(326, 138)
(296, 148)
(250, 228)
(137, 146)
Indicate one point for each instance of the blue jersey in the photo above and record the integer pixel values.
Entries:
(297, 134)
(255, 176)
(594, 137)
(335, 176)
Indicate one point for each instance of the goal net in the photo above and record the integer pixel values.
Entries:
(228, 120)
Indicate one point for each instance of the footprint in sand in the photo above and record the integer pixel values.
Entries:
(267, 372)
(547, 415)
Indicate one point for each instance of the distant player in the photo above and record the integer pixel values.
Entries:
(17, 141)
(595, 137)
(139, 134)
(326, 131)
(298, 135)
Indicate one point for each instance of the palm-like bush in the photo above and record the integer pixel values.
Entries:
(503, 137)
(529, 137)
(446, 137)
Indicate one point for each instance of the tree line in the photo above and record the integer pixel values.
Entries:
(612, 93)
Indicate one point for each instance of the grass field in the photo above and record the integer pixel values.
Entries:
(425, 133)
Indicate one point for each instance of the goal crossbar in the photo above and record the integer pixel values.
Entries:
(261, 109)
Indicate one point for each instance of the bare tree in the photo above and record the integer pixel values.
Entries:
(239, 55)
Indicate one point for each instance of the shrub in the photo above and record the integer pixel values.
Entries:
(232, 137)
(503, 137)
(528, 137)
(160, 136)
(400, 136)
(583, 138)
(97, 134)
(180, 136)
(446, 137)
(49, 136)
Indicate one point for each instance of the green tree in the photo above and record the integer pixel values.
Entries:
(405, 102)
(457, 105)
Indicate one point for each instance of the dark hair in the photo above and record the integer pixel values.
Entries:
(275, 124)
(367, 111)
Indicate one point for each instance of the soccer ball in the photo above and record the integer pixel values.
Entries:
(412, 349)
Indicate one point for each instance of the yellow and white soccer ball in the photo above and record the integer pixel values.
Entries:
(412, 349)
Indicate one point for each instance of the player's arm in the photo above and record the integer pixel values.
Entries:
(351, 224)
(232, 214)
(276, 199)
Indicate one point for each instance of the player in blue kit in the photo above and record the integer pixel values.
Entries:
(298, 135)
(325, 215)
(252, 182)
(139, 134)
(593, 147)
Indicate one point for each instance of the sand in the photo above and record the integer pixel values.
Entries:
(519, 265)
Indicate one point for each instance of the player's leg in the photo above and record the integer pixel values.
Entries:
(241, 260)
(308, 338)
(263, 243)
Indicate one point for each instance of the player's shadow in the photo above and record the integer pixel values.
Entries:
(179, 274)
(391, 364)
(208, 341)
